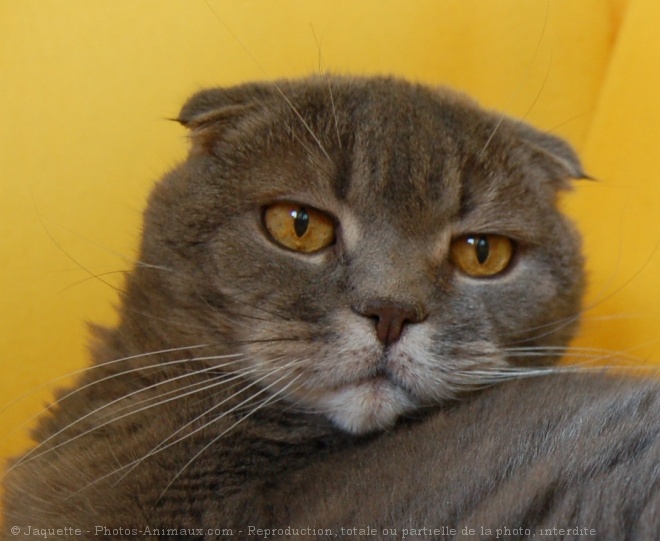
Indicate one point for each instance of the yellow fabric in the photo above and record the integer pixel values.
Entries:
(86, 88)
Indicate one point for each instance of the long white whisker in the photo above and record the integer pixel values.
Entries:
(95, 367)
(219, 436)
(215, 406)
(497, 375)
(179, 392)
(161, 446)
(133, 463)
(29, 456)
(597, 354)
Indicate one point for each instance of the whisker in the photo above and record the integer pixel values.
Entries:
(277, 88)
(329, 84)
(67, 254)
(95, 367)
(564, 322)
(610, 317)
(250, 385)
(276, 339)
(29, 456)
(540, 91)
(498, 375)
(131, 465)
(554, 326)
(231, 427)
(216, 381)
(597, 354)
(183, 391)
(514, 95)
(89, 278)
(161, 446)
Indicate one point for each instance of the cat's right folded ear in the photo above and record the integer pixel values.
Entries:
(211, 112)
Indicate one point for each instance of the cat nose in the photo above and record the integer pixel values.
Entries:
(391, 318)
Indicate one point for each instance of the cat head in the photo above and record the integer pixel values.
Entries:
(368, 246)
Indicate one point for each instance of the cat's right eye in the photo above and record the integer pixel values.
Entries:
(481, 256)
(299, 228)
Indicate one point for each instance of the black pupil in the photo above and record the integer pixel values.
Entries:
(481, 246)
(300, 221)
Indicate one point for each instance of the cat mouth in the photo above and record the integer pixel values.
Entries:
(389, 371)
(366, 405)
(383, 377)
(385, 381)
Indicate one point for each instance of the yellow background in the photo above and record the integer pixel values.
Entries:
(86, 87)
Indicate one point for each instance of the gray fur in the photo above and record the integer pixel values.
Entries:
(245, 383)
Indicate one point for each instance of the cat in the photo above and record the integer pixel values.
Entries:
(344, 323)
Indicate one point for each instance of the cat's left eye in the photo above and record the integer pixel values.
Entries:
(299, 228)
(481, 256)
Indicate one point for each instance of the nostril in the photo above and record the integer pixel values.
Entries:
(390, 318)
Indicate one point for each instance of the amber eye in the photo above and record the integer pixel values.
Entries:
(299, 228)
(482, 255)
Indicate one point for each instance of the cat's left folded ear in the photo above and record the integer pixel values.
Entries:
(552, 154)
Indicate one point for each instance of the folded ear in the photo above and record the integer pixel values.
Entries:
(202, 106)
(210, 113)
(551, 154)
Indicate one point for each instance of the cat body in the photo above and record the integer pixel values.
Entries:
(562, 457)
(328, 289)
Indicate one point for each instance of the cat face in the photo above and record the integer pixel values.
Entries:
(369, 246)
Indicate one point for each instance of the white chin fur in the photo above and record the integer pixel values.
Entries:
(367, 406)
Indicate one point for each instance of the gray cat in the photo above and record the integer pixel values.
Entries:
(343, 322)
